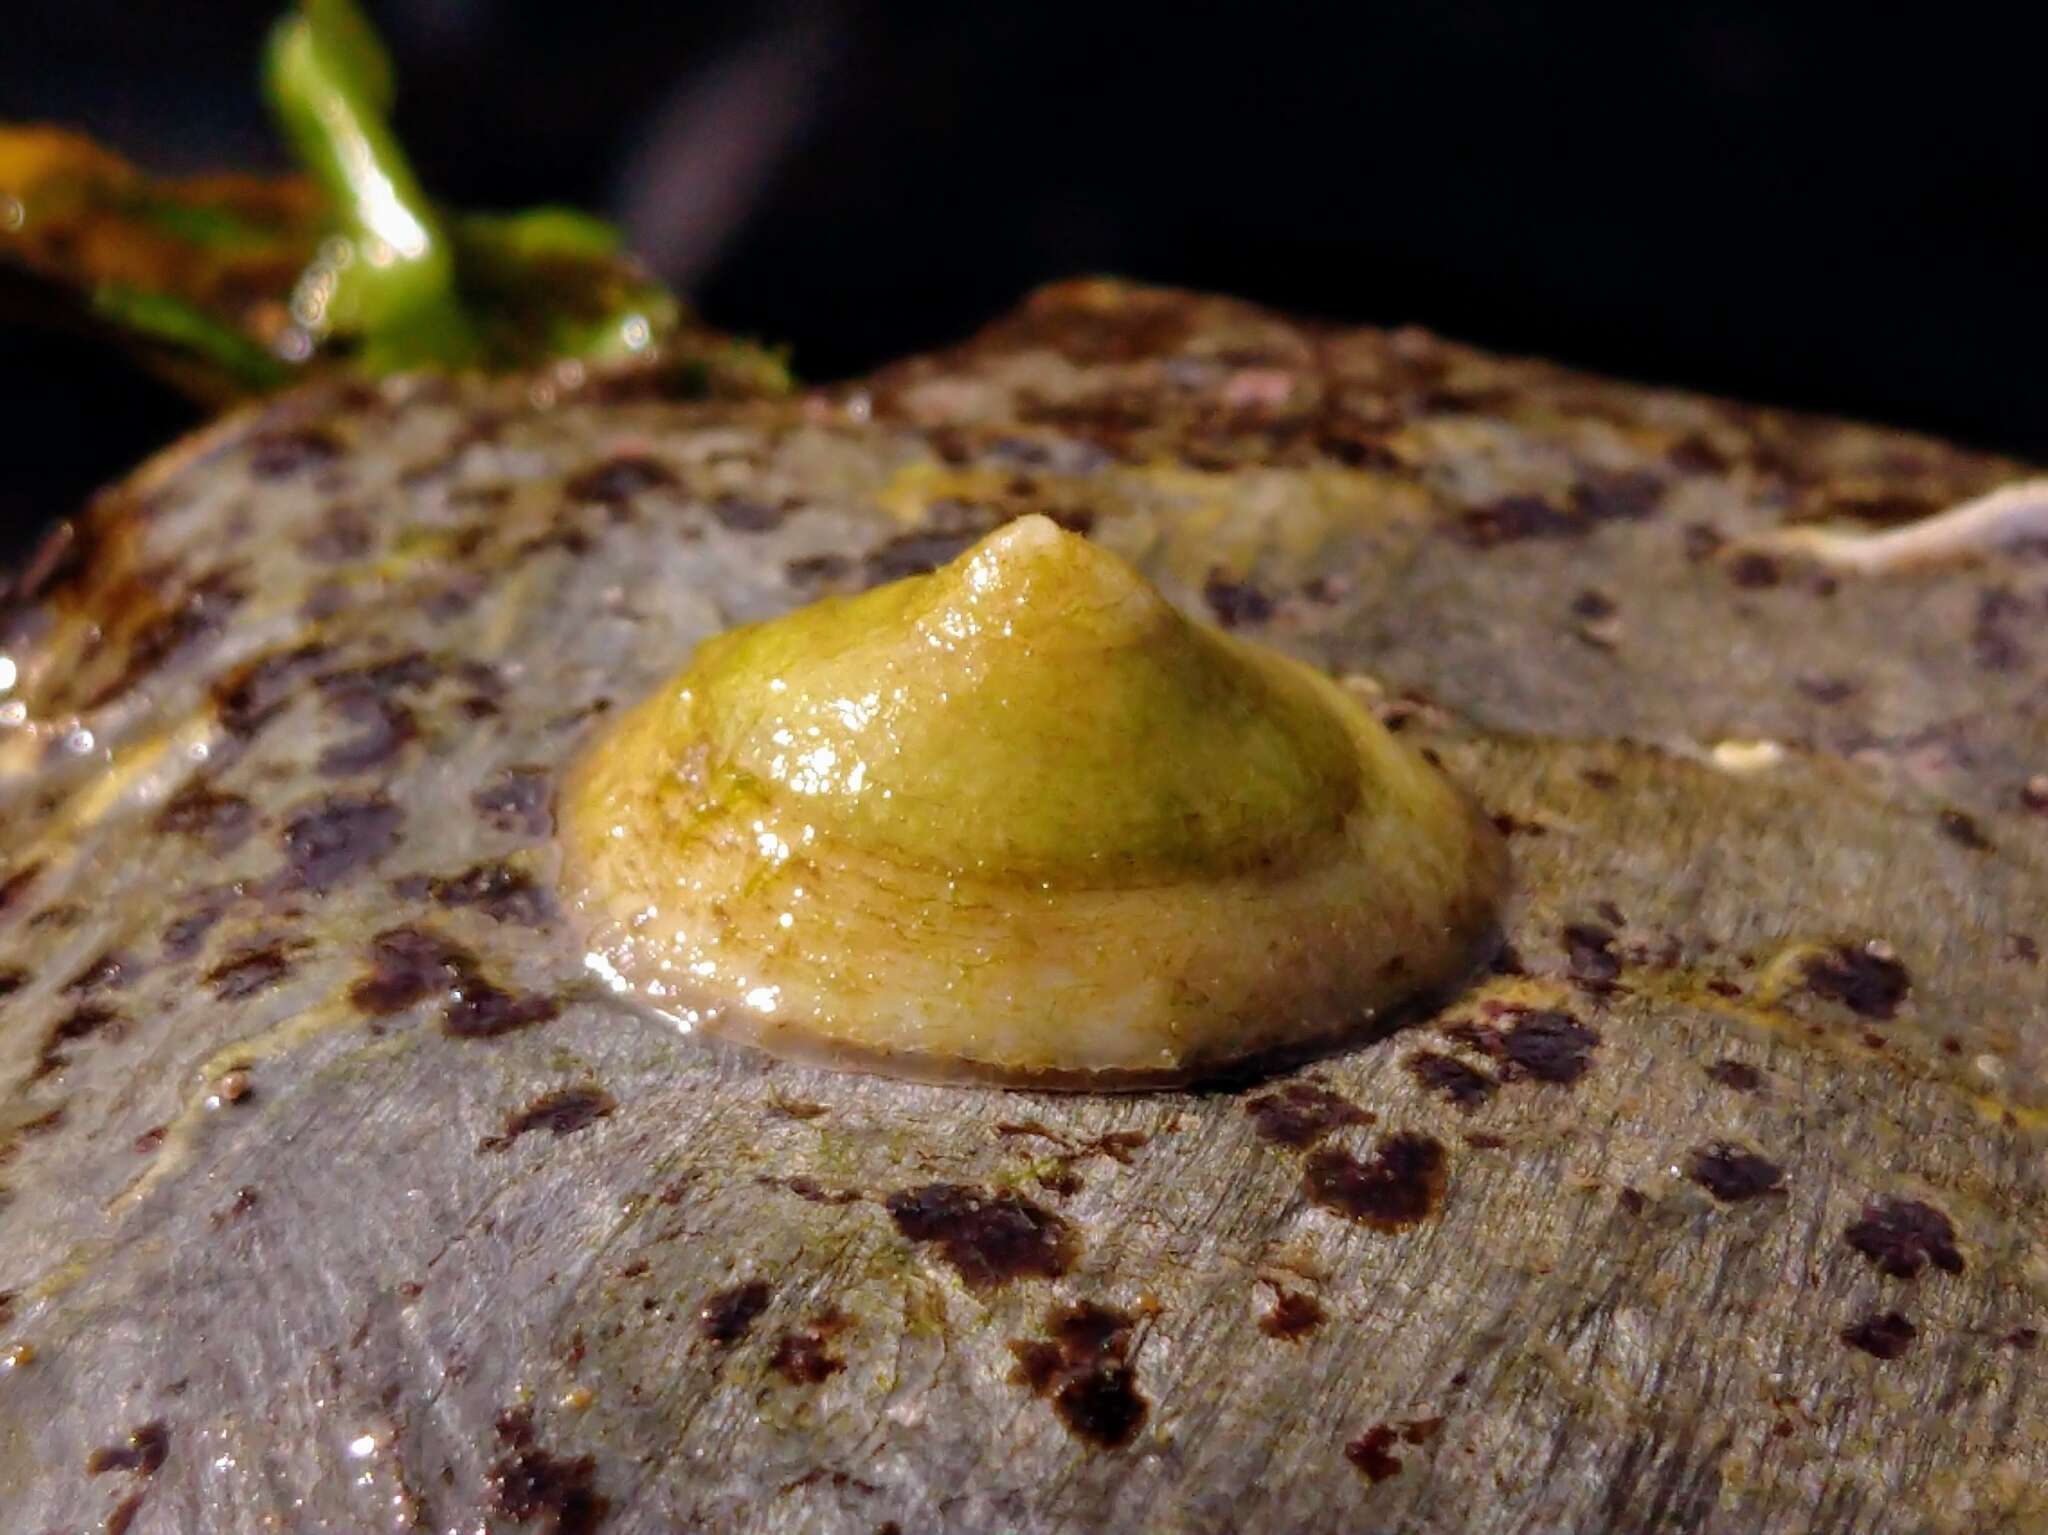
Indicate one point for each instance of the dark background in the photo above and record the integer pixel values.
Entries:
(1809, 205)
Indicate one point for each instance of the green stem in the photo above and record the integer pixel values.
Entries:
(394, 282)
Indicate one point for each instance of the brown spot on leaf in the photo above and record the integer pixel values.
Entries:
(1235, 603)
(1963, 831)
(1884, 1335)
(245, 1200)
(619, 480)
(1737, 1075)
(561, 1112)
(408, 965)
(747, 514)
(1372, 1452)
(248, 972)
(1547, 1045)
(185, 935)
(221, 821)
(1465, 1086)
(80, 1024)
(337, 838)
(144, 1452)
(1590, 956)
(253, 696)
(195, 619)
(1867, 978)
(281, 455)
(481, 1010)
(1627, 495)
(529, 1485)
(15, 886)
(1294, 1314)
(1903, 1236)
(109, 972)
(1082, 1365)
(1732, 1174)
(989, 1238)
(802, 1360)
(1301, 1113)
(1754, 571)
(1513, 519)
(728, 1316)
(915, 554)
(344, 534)
(385, 726)
(499, 891)
(1825, 690)
(1994, 642)
(1400, 1184)
(516, 801)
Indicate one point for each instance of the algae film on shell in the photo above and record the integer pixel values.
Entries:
(1021, 820)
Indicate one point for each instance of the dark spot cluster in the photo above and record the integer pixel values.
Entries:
(1963, 831)
(498, 890)
(282, 455)
(988, 1237)
(249, 971)
(802, 1357)
(1236, 604)
(193, 621)
(1882, 1335)
(1590, 959)
(144, 1451)
(1515, 519)
(410, 964)
(1865, 978)
(1293, 1315)
(340, 836)
(1902, 1237)
(220, 821)
(245, 1200)
(1082, 1366)
(16, 884)
(729, 1316)
(617, 481)
(1538, 1044)
(915, 554)
(108, 972)
(516, 801)
(1995, 643)
(1734, 1174)
(1737, 1076)
(1401, 1183)
(260, 691)
(185, 935)
(529, 1485)
(561, 1112)
(1373, 1451)
(1463, 1086)
(81, 1023)
(1302, 1113)
(749, 514)
(384, 726)
(1753, 570)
